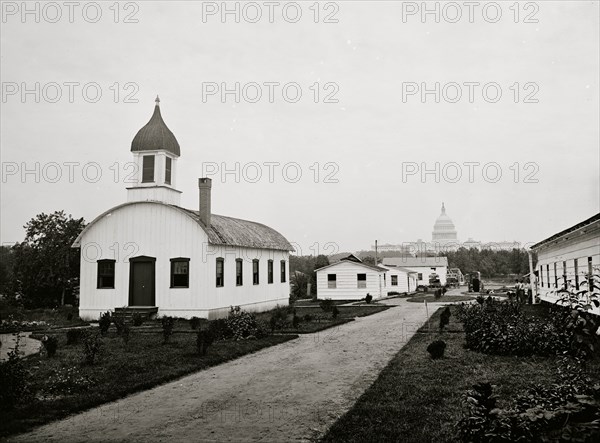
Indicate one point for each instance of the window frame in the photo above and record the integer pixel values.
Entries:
(239, 272)
(146, 168)
(331, 280)
(282, 272)
(221, 261)
(269, 272)
(168, 170)
(99, 276)
(255, 271)
(361, 283)
(393, 280)
(172, 279)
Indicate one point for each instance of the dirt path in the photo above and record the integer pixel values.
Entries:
(290, 392)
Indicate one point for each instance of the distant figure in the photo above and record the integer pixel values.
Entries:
(444, 318)
(520, 291)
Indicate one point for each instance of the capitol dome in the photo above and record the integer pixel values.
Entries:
(443, 229)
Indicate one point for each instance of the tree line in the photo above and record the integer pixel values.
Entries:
(43, 269)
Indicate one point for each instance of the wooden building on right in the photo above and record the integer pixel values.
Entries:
(568, 258)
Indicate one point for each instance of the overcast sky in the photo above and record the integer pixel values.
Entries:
(368, 126)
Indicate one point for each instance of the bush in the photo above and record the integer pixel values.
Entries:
(327, 305)
(219, 329)
(194, 323)
(278, 318)
(295, 321)
(445, 318)
(104, 322)
(567, 410)
(243, 324)
(70, 316)
(436, 349)
(393, 293)
(335, 312)
(500, 328)
(92, 344)
(368, 298)
(204, 340)
(50, 343)
(307, 318)
(137, 319)
(480, 299)
(437, 294)
(119, 323)
(74, 336)
(67, 381)
(168, 323)
(15, 378)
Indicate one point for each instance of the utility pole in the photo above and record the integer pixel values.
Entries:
(531, 277)
(375, 252)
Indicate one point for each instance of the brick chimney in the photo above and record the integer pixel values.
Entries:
(204, 185)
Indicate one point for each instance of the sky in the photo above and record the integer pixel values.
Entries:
(493, 112)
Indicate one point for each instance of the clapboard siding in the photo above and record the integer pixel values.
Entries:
(347, 284)
(580, 244)
(164, 232)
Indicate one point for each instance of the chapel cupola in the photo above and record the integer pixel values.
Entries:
(155, 152)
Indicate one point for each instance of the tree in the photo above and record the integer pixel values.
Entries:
(45, 263)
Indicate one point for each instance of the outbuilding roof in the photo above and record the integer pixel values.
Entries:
(227, 231)
(412, 262)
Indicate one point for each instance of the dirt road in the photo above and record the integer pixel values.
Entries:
(290, 392)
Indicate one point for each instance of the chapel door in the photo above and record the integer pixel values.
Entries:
(141, 281)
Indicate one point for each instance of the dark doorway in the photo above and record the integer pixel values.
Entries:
(141, 281)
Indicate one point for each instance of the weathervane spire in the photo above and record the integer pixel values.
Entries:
(443, 208)
(157, 101)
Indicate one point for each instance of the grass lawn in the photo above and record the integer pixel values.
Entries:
(322, 320)
(444, 298)
(417, 399)
(53, 318)
(121, 370)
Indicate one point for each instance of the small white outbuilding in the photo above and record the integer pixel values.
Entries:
(351, 279)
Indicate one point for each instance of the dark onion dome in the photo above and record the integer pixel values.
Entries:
(155, 135)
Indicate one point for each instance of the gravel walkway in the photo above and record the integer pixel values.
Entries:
(290, 392)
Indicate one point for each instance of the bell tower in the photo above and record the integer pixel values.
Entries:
(155, 152)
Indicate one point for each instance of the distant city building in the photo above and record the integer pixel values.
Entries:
(444, 238)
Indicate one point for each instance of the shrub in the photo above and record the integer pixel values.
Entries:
(567, 410)
(278, 318)
(104, 322)
(50, 343)
(436, 349)
(67, 381)
(480, 299)
(437, 294)
(92, 344)
(74, 336)
(204, 340)
(194, 323)
(295, 321)
(445, 318)
(242, 324)
(70, 316)
(219, 329)
(119, 323)
(327, 305)
(393, 293)
(15, 378)
(137, 319)
(369, 298)
(167, 327)
(307, 318)
(335, 312)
